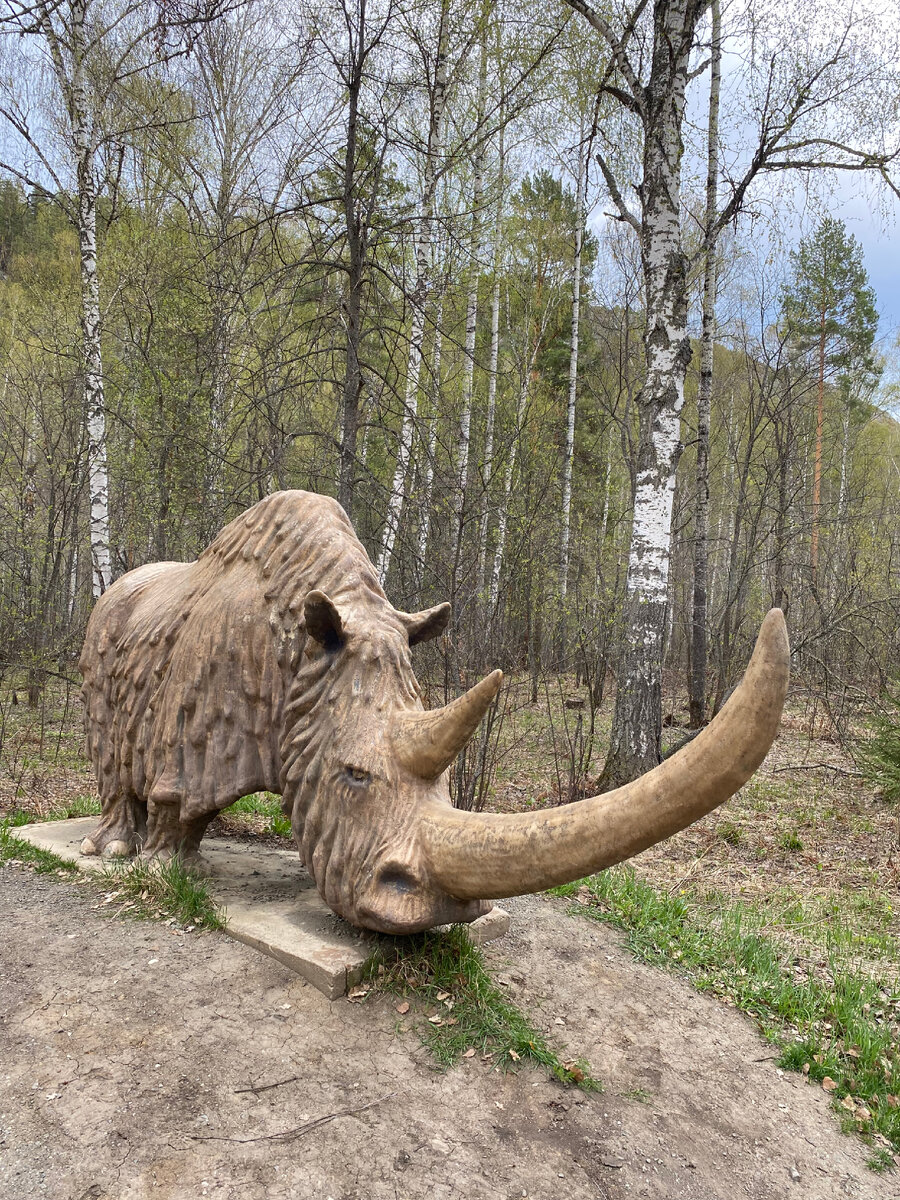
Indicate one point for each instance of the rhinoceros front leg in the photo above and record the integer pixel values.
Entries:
(122, 828)
(169, 835)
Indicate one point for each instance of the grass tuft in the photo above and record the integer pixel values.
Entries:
(42, 862)
(148, 890)
(836, 1022)
(166, 889)
(265, 805)
(462, 1010)
(78, 806)
(880, 1160)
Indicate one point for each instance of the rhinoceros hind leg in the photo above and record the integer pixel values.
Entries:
(121, 831)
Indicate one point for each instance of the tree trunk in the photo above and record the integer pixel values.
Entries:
(784, 445)
(697, 703)
(430, 448)
(424, 254)
(465, 421)
(488, 471)
(569, 453)
(817, 464)
(356, 256)
(503, 516)
(635, 743)
(94, 406)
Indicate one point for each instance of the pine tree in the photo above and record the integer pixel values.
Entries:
(830, 312)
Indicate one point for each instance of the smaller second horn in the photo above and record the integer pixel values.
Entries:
(426, 743)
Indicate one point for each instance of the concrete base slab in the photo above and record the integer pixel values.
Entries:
(270, 903)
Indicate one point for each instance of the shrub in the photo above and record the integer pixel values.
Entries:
(879, 755)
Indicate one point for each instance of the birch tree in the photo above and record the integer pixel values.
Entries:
(68, 47)
(354, 44)
(569, 451)
(243, 87)
(804, 123)
(697, 700)
(658, 105)
(424, 253)
(82, 56)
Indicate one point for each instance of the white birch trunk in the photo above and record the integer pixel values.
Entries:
(488, 471)
(465, 421)
(424, 255)
(430, 448)
(704, 393)
(635, 743)
(95, 412)
(503, 516)
(573, 380)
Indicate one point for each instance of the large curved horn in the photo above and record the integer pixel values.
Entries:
(487, 855)
(426, 743)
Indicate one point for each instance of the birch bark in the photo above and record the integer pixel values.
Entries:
(424, 255)
(488, 470)
(635, 745)
(465, 421)
(94, 408)
(357, 248)
(573, 380)
(509, 472)
(699, 650)
(430, 448)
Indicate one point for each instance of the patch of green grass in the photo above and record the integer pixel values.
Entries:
(463, 1010)
(641, 1095)
(880, 1160)
(78, 806)
(263, 804)
(151, 890)
(829, 1019)
(166, 889)
(43, 862)
(731, 832)
(790, 841)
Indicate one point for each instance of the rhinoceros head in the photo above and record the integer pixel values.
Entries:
(366, 778)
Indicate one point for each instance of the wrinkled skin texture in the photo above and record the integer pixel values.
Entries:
(206, 681)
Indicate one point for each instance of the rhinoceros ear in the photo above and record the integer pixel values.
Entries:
(428, 624)
(323, 621)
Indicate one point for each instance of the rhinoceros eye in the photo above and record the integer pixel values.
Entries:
(358, 775)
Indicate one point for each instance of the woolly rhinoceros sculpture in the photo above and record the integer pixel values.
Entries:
(275, 661)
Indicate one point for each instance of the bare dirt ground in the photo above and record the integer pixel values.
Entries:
(127, 1050)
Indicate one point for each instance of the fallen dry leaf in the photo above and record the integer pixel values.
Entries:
(849, 1103)
(515, 1057)
(403, 1008)
(828, 1084)
(470, 1053)
(574, 1070)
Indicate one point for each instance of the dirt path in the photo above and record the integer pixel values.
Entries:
(124, 1046)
